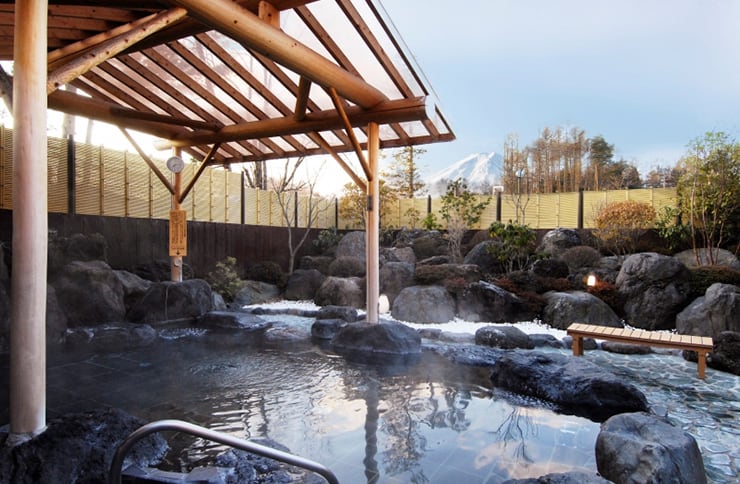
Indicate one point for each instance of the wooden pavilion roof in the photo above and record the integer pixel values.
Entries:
(237, 80)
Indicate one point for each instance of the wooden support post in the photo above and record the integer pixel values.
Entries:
(30, 229)
(702, 363)
(175, 257)
(577, 345)
(372, 231)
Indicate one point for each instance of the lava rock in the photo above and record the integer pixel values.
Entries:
(503, 336)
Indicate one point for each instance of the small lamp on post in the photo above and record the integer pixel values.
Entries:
(591, 280)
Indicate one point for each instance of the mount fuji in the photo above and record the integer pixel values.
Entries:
(476, 169)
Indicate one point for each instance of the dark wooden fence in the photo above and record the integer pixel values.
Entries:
(134, 241)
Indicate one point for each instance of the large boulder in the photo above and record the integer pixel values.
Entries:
(89, 293)
(429, 245)
(565, 308)
(709, 315)
(716, 257)
(394, 277)
(446, 273)
(398, 254)
(384, 338)
(655, 287)
(303, 284)
(76, 247)
(134, 287)
(480, 256)
(424, 304)
(347, 266)
(341, 291)
(557, 241)
(637, 447)
(255, 292)
(56, 319)
(503, 336)
(575, 385)
(352, 245)
(110, 337)
(550, 268)
(483, 301)
(172, 301)
(726, 353)
(78, 448)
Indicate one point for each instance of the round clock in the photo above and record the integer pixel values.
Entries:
(175, 164)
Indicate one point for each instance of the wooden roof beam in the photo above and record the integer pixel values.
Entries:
(110, 48)
(397, 111)
(339, 106)
(243, 26)
(319, 140)
(70, 103)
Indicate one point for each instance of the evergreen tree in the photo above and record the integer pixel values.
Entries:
(601, 154)
(403, 173)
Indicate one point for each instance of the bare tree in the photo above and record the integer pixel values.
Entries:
(290, 191)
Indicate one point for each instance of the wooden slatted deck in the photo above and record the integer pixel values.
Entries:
(701, 344)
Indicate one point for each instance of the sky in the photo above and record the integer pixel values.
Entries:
(647, 75)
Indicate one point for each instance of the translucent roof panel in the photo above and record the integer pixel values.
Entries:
(259, 80)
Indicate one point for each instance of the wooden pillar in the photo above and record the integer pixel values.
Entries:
(30, 230)
(372, 242)
(175, 258)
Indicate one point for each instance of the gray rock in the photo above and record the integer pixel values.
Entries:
(430, 274)
(255, 292)
(565, 308)
(345, 313)
(172, 301)
(220, 320)
(429, 245)
(394, 277)
(161, 271)
(89, 293)
(347, 266)
(76, 247)
(625, 348)
(78, 448)
(655, 287)
(709, 315)
(637, 447)
(721, 257)
(503, 336)
(557, 241)
(352, 245)
(134, 287)
(575, 385)
(424, 304)
(341, 291)
(726, 353)
(399, 254)
(480, 256)
(483, 301)
(303, 284)
(56, 320)
(545, 339)
(561, 478)
(377, 338)
(326, 329)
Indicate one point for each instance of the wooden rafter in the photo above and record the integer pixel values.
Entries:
(341, 109)
(206, 161)
(149, 162)
(328, 149)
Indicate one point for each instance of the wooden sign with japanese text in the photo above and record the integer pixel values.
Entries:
(178, 233)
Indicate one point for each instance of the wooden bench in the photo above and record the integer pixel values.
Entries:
(701, 344)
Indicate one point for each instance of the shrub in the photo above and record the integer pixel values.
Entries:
(430, 222)
(461, 209)
(327, 239)
(533, 302)
(608, 293)
(581, 256)
(674, 234)
(269, 272)
(517, 246)
(704, 276)
(620, 224)
(225, 280)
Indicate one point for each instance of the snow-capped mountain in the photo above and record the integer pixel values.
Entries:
(476, 169)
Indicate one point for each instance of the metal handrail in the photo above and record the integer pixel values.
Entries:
(114, 476)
